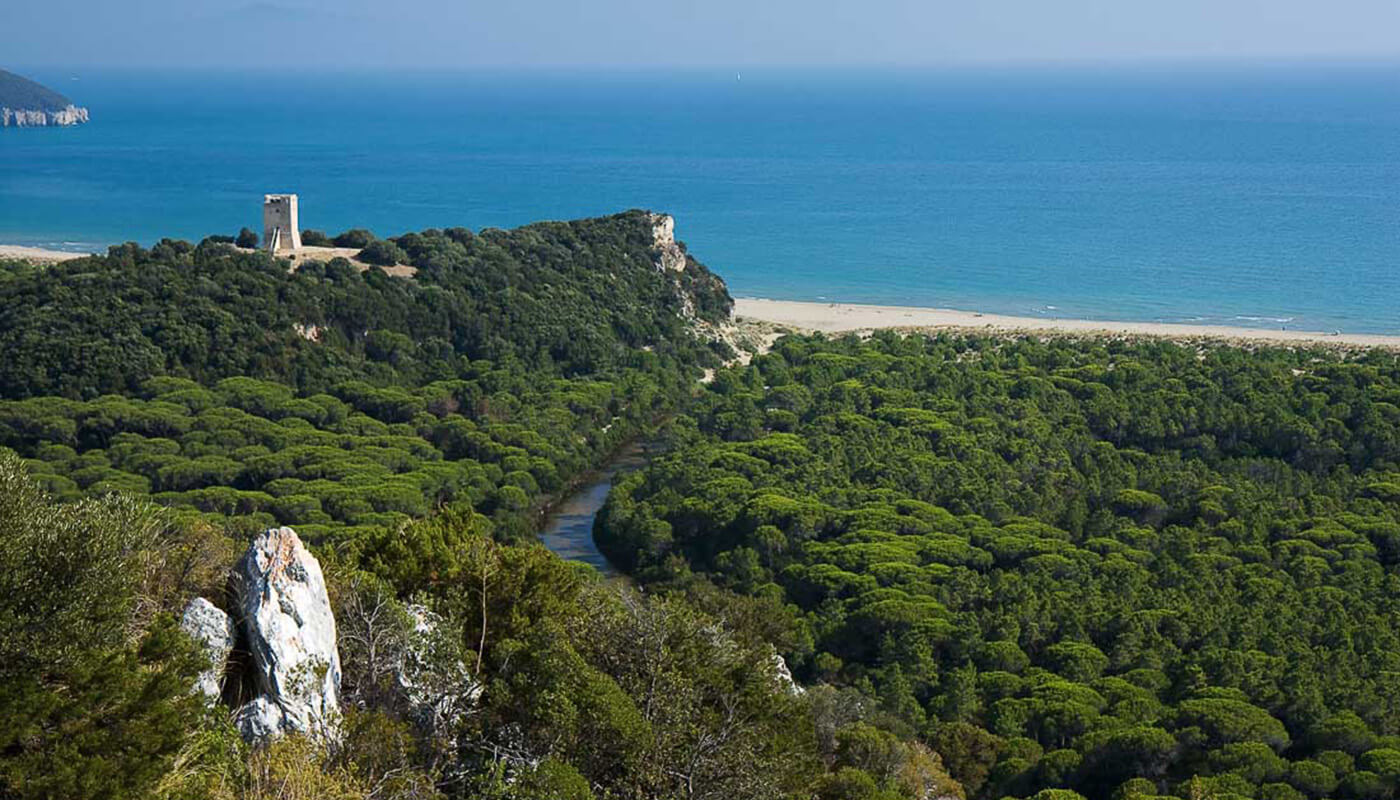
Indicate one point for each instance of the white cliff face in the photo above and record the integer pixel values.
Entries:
(287, 623)
(663, 229)
(25, 118)
(260, 720)
(215, 631)
(670, 256)
(784, 676)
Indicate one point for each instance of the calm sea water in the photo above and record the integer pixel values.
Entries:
(1260, 198)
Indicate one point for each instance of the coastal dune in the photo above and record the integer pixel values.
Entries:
(36, 254)
(848, 317)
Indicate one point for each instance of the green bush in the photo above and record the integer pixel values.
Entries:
(382, 253)
(355, 237)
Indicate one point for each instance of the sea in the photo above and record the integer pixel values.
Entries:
(1258, 196)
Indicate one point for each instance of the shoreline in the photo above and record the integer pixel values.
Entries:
(828, 317)
(37, 255)
(821, 317)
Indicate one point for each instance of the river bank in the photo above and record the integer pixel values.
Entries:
(568, 527)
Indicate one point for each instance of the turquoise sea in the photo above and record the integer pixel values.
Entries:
(1267, 196)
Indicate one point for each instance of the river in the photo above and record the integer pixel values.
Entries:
(568, 530)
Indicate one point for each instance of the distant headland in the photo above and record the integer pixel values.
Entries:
(24, 103)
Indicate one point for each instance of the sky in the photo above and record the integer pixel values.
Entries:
(447, 34)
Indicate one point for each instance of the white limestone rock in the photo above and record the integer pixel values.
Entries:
(669, 255)
(432, 677)
(213, 629)
(308, 331)
(72, 115)
(663, 230)
(290, 632)
(784, 675)
(33, 117)
(260, 720)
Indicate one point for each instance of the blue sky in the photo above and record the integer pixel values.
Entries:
(689, 33)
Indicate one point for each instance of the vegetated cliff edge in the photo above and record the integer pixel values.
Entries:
(24, 103)
(554, 343)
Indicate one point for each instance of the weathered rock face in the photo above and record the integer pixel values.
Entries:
(670, 255)
(287, 623)
(784, 675)
(215, 630)
(26, 118)
(308, 331)
(260, 720)
(434, 680)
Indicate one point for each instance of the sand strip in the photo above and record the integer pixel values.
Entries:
(843, 317)
(37, 254)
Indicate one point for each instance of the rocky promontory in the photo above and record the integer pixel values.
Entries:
(24, 103)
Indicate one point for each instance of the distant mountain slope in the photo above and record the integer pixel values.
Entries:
(17, 91)
(24, 103)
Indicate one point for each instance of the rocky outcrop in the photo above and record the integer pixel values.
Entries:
(38, 118)
(784, 675)
(308, 331)
(261, 720)
(289, 631)
(670, 256)
(432, 678)
(686, 275)
(213, 629)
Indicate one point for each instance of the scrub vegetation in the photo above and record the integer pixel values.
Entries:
(997, 567)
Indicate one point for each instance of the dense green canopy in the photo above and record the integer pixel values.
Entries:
(1058, 569)
(558, 298)
(411, 428)
(331, 399)
(1063, 564)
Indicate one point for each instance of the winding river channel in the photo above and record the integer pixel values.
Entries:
(568, 530)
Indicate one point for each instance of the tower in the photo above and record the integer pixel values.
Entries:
(280, 230)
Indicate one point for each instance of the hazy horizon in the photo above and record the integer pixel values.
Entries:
(719, 34)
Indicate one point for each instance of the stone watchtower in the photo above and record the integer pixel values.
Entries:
(280, 231)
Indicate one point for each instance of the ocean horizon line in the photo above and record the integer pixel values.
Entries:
(1165, 197)
(1318, 67)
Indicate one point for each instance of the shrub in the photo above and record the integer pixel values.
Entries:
(246, 238)
(315, 238)
(355, 237)
(382, 253)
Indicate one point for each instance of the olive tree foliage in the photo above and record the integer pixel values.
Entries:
(95, 698)
(720, 724)
(382, 253)
(68, 573)
(585, 688)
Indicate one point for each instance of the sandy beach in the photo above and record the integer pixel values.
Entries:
(37, 254)
(847, 317)
(843, 317)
